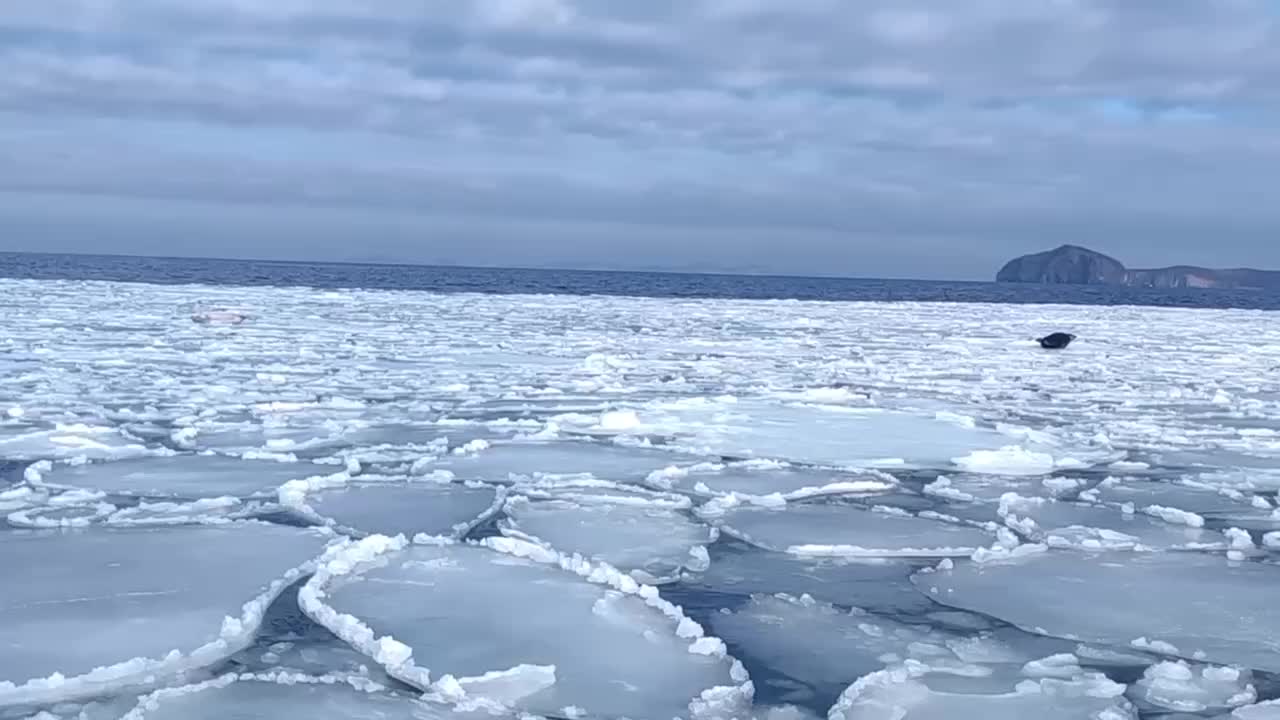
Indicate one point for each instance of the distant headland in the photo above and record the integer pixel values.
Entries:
(1075, 265)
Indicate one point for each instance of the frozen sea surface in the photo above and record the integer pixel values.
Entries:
(385, 504)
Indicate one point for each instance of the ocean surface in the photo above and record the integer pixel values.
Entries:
(267, 490)
(178, 271)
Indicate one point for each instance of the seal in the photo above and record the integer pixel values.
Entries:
(1055, 341)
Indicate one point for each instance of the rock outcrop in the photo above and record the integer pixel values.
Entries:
(1069, 264)
(1075, 265)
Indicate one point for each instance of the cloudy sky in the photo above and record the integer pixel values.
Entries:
(934, 138)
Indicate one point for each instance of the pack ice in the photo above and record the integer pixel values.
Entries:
(87, 611)
(512, 625)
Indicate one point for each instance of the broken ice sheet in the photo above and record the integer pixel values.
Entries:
(189, 477)
(906, 693)
(835, 529)
(1193, 605)
(653, 542)
(392, 508)
(105, 608)
(554, 640)
(288, 695)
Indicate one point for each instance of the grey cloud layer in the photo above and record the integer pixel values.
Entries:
(999, 123)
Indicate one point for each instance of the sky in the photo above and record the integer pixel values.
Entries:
(890, 138)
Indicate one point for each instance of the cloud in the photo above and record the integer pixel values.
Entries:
(873, 130)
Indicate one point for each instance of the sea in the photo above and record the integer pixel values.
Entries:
(300, 490)
(507, 281)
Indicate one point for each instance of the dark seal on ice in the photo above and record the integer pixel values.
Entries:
(1056, 341)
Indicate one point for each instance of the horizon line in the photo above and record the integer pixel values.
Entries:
(463, 266)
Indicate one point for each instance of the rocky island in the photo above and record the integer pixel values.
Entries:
(1075, 265)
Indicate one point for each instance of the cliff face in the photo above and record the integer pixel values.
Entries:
(1071, 264)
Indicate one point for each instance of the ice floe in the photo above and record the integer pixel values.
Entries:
(836, 529)
(513, 462)
(524, 627)
(1198, 606)
(408, 508)
(652, 542)
(906, 693)
(836, 436)
(82, 612)
(287, 695)
(190, 477)
(767, 478)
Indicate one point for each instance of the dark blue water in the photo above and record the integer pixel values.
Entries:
(179, 271)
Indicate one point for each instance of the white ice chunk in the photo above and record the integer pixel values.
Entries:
(1155, 601)
(1007, 460)
(449, 509)
(184, 476)
(832, 529)
(1182, 687)
(83, 612)
(655, 543)
(437, 615)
